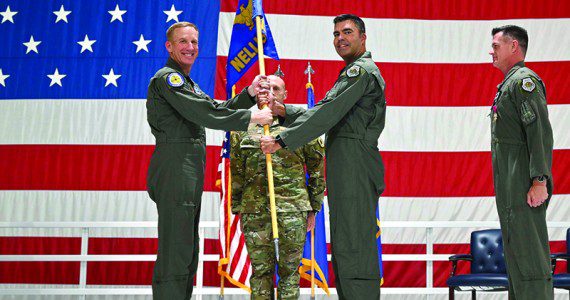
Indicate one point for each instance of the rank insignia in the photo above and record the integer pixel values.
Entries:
(175, 80)
(528, 85)
(353, 71)
(321, 142)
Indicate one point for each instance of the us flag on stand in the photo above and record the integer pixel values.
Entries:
(234, 262)
(79, 151)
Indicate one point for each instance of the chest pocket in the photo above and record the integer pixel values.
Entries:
(250, 149)
(250, 142)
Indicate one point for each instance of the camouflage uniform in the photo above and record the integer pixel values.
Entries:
(293, 198)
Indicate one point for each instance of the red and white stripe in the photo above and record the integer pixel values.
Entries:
(234, 263)
(67, 163)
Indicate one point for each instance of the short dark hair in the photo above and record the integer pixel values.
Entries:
(354, 18)
(514, 32)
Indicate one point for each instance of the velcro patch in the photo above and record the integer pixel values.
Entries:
(353, 71)
(175, 80)
(528, 85)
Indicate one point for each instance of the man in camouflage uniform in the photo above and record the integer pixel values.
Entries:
(177, 113)
(352, 115)
(521, 146)
(296, 202)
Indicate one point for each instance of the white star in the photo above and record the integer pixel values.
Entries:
(111, 78)
(32, 45)
(56, 78)
(61, 14)
(142, 44)
(8, 15)
(3, 78)
(117, 14)
(172, 13)
(86, 44)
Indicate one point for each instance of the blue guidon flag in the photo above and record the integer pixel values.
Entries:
(320, 262)
(243, 46)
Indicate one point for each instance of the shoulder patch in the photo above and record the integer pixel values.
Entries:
(528, 85)
(175, 80)
(353, 71)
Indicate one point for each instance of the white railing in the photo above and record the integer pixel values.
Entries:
(82, 289)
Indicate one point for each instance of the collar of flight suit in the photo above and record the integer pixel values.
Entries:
(512, 71)
(366, 54)
(171, 63)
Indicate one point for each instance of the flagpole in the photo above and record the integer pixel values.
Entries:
(313, 263)
(310, 71)
(258, 22)
(228, 211)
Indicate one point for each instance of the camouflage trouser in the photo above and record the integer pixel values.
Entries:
(259, 240)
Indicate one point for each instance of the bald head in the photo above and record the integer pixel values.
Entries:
(277, 80)
(277, 87)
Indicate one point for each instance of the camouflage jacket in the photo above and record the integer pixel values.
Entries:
(249, 174)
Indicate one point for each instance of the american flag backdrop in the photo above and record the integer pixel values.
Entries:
(75, 144)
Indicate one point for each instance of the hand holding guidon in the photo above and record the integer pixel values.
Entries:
(268, 144)
(260, 88)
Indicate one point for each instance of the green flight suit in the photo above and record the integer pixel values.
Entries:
(521, 146)
(352, 114)
(293, 200)
(177, 112)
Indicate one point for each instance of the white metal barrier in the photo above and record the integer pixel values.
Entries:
(83, 290)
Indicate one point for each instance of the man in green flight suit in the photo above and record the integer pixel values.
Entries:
(352, 115)
(521, 146)
(177, 112)
(296, 202)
